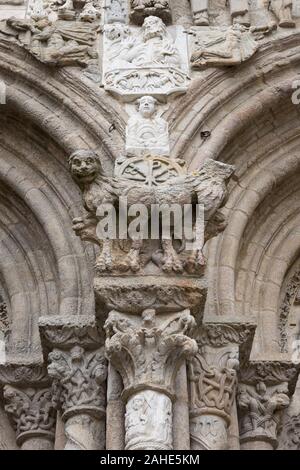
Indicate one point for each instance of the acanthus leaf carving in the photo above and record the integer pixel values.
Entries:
(148, 351)
(78, 380)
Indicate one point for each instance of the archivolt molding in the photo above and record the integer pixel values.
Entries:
(69, 107)
(48, 114)
(224, 101)
(261, 241)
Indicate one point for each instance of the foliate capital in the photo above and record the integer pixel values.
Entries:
(79, 377)
(148, 350)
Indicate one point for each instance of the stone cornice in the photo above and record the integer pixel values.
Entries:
(68, 331)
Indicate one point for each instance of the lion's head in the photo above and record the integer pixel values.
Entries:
(85, 166)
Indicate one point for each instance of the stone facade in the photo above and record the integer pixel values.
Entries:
(149, 342)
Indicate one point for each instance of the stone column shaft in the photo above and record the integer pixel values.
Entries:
(148, 351)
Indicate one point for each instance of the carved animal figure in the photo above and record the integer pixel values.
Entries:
(206, 186)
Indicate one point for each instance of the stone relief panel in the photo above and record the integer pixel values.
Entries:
(56, 37)
(148, 60)
(147, 132)
(148, 421)
(259, 14)
(216, 47)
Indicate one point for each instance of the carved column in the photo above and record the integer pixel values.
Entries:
(78, 369)
(148, 351)
(213, 380)
(263, 394)
(28, 403)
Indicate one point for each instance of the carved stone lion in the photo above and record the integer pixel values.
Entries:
(207, 187)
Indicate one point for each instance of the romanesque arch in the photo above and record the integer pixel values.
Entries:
(70, 315)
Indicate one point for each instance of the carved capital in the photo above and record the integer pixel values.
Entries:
(78, 381)
(31, 412)
(148, 350)
(213, 379)
(263, 393)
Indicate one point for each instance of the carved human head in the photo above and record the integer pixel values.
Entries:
(153, 27)
(146, 106)
(116, 31)
(85, 166)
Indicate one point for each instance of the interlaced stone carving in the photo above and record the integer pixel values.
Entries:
(28, 403)
(31, 412)
(213, 380)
